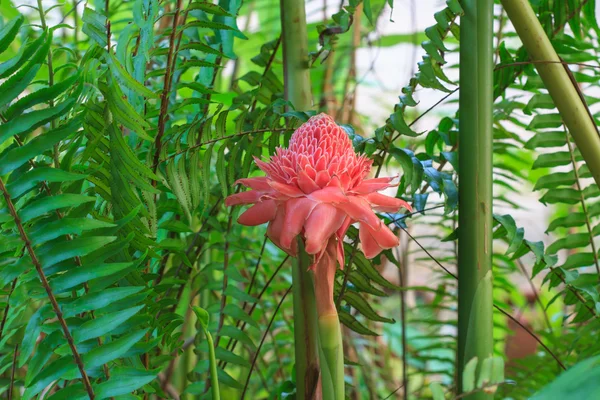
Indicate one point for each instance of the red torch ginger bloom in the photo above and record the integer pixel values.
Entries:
(316, 188)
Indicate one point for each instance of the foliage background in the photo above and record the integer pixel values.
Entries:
(117, 163)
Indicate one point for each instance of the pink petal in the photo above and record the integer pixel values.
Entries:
(261, 212)
(249, 197)
(323, 178)
(373, 241)
(260, 183)
(330, 194)
(370, 247)
(287, 190)
(306, 184)
(341, 233)
(296, 213)
(360, 210)
(372, 185)
(324, 279)
(381, 202)
(322, 224)
(265, 167)
(276, 227)
(340, 253)
(384, 237)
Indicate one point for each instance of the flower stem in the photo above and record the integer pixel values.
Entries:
(305, 327)
(332, 360)
(475, 187)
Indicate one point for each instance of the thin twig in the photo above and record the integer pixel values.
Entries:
(533, 335)
(502, 66)
(164, 99)
(198, 145)
(46, 285)
(5, 314)
(262, 340)
(267, 68)
(264, 289)
(582, 200)
(250, 286)
(535, 292)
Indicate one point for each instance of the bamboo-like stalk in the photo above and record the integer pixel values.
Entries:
(475, 187)
(298, 92)
(305, 328)
(558, 81)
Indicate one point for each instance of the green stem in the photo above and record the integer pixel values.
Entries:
(475, 303)
(305, 327)
(332, 360)
(295, 54)
(50, 81)
(559, 82)
(214, 377)
(294, 40)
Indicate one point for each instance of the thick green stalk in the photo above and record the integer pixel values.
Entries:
(298, 92)
(305, 328)
(558, 82)
(475, 186)
(295, 54)
(332, 356)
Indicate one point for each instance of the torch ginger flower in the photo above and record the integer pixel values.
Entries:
(316, 188)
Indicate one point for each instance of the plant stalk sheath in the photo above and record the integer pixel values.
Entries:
(475, 187)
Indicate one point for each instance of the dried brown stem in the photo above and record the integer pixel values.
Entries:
(46, 285)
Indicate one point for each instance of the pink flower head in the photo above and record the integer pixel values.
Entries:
(316, 188)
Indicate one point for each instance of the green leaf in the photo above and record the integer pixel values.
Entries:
(233, 310)
(358, 302)
(104, 324)
(32, 332)
(406, 163)
(9, 32)
(28, 122)
(555, 159)
(40, 96)
(16, 157)
(352, 323)
(55, 252)
(66, 226)
(123, 380)
(237, 334)
(231, 358)
(51, 203)
(125, 114)
(125, 79)
(368, 11)
(399, 124)
(77, 276)
(112, 350)
(578, 382)
(209, 8)
(202, 315)
(97, 300)
(436, 391)
(33, 177)
(50, 373)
